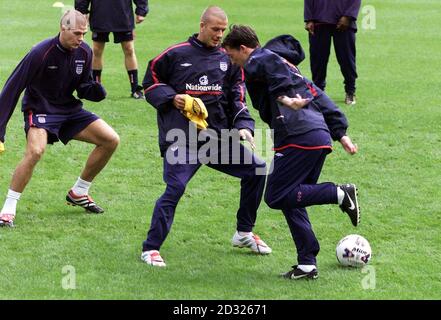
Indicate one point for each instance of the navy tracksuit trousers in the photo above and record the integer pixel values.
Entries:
(176, 176)
(319, 50)
(291, 187)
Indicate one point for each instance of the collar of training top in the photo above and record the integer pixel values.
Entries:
(60, 46)
(197, 43)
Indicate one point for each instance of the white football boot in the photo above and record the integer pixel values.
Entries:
(153, 258)
(251, 241)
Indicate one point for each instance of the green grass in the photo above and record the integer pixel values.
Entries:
(396, 124)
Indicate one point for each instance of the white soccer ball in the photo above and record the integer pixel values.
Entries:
(353, 250)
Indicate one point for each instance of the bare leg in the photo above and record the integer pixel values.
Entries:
(106, 140)
(132, 68)
(35, 147)
(98, 50)
(129, 55)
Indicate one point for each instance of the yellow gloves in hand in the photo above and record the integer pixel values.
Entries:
(2, 147)
(195, 111)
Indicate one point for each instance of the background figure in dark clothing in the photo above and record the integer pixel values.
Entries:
(304, 120)
(50, 73)
(115, 16)
(326, 20)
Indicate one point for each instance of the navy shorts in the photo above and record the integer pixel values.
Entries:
(61, 127)
(118, 37)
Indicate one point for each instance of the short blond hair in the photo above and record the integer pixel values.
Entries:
(213, 11)
(73, 19)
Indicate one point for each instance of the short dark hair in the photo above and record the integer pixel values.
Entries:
(241, 35)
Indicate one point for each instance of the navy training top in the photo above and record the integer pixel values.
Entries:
(50, 74)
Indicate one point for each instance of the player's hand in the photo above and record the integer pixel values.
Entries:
(245, 134)
(2, 147)
(309, 26)
(343, 23)
(294, 103)
(179, 101)
(348, 145)
(139, 19)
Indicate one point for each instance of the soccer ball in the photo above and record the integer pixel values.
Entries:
(354, 251)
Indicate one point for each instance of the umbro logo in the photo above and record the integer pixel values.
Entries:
(186, 64)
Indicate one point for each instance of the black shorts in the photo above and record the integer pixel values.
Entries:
(118, 37)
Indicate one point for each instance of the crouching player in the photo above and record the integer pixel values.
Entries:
(303, 120)
(50, 73)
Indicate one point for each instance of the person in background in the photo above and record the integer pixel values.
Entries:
(115, 16)
(333, 20)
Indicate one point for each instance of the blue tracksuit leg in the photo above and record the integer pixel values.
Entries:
(344, 45)
(176, 177)
(304, 238)
(240, 163)
(291, 187)
(319, 50)
(293, 181)
(251, 170)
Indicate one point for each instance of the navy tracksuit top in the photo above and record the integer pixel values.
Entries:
(330, 11)
(112, 15)
(269, 76)
(206, 73)
(50, 74)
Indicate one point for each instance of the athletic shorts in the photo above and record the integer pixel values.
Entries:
(118, 37)
(61, 127)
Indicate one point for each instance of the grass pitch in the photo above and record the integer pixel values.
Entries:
(396, 124)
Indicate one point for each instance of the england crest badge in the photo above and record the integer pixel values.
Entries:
(223, 66)
(79, 69)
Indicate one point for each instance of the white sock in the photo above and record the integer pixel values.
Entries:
(10, 205)
(306, 267)
(81, 187)
(340, 195)
(242, 233)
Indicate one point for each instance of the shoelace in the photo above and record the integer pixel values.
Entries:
(156, 257)
(258, 240)
(7, 217)
(89, 198)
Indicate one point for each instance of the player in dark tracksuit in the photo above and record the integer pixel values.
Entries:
(50, 73)
(115, 16)
(326, 20)
(303, 128)
(201, 69)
